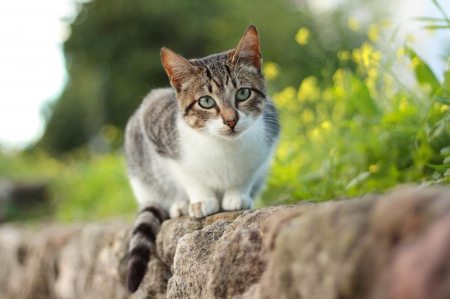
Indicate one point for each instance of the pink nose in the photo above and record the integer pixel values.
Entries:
(231, 123)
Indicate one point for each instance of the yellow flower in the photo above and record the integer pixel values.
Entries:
(444, 108)
(372, 73)
(338, 76)
(373, 168)
(315, 134)
(302, 36)
(271, 70)
(307, 116)
(403, 105)
(285, 97)
(370, 57)
(283, 151)
(338, 112)
(366, 54)
(400, 55)
(356, 55)
(353, 25)
(327, 95)
(343, 55)
(376, 57)
(326, 125)
(415, 62)
(372, 33)
(308, 89)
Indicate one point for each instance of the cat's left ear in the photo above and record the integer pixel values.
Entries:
(177, 68)
(248, 48)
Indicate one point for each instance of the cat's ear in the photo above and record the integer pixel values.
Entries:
(177, 68)
(248, 48)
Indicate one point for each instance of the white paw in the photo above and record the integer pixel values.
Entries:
(204, 207)
(236, 202)
(179, 208)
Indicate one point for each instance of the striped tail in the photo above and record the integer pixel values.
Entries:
(142, 244)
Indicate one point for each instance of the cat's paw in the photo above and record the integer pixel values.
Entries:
(204, 207)
(236, 202)
(179, 208)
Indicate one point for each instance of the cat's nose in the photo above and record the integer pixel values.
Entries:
(231, 123)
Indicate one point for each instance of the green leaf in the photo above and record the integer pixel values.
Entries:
(423, 72)
(433, 27)
(436, 3)
(443, 101)
(358, 179)
(439, 167)
(360, 98)
(429, 19)
(445, 150)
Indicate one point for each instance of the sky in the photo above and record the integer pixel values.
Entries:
(32, 66)
(32, 69)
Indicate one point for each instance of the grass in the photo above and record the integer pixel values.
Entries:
(82, 186)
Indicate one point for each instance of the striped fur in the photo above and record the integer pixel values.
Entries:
(184, 158)
(142, 244)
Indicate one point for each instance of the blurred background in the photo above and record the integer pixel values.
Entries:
(362, 89)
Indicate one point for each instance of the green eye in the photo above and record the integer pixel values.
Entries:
(242, 94)
(206, 102)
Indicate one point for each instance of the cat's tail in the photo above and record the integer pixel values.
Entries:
(142, 244)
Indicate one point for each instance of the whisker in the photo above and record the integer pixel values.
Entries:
(278, 107)
(176, 128)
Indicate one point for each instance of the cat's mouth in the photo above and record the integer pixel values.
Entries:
(231, 133)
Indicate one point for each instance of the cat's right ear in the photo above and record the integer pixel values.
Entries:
(248, 48)
(177, 68)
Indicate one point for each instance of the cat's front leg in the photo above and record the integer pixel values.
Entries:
(203, 201)
(179, 208)
(203, 207)
(237, 199)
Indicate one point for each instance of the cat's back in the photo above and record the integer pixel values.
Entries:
(152, 129)
(159, 104)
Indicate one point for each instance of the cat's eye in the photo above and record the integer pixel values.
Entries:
(206, 102)
(242, 94)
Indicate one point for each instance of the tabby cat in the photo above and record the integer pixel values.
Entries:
(200, 147)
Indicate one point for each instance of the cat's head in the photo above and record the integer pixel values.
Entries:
(222, 94)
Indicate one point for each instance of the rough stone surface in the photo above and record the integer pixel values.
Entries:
(171, 231)
(81, 261)
(389, 247)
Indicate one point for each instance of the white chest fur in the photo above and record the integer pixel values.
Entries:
(223, 163)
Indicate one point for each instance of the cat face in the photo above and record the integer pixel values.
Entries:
(222, 94)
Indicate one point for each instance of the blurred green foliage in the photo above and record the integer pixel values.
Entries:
(363, 131)
(357, 114)
(82, 186)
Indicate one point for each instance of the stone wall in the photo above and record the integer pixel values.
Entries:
(395, 246)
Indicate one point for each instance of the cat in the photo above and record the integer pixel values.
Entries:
(200, 147)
